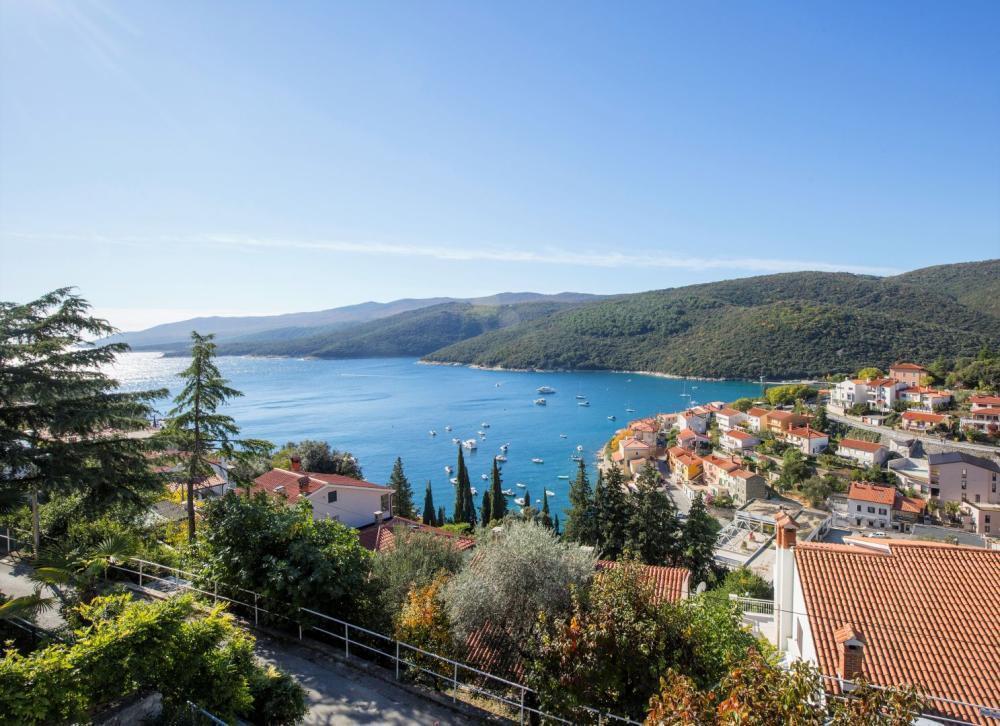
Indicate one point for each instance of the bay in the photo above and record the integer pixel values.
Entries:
(382, 408)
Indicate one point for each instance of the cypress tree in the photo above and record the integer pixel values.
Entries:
(486, 513)
(546, 517)
(429, 516)
(581, 518)
(527, 510)
(470, 507)
(498, 502)
(653, 530)
(462, 487)
(699, 537)
(441, 519)
(613, 514)
(404, 492)
(555, 523)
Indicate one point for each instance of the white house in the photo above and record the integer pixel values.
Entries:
(844, 607)
(755, 418)
(870, 505)
(696, 420)
(847, 393)
(864, 453)
(809, 441)
(729, 418)
(350, 501)
(738, 441)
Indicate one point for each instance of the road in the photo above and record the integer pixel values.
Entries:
(339, 694)
(936, 440)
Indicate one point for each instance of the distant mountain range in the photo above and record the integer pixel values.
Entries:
(787, 325)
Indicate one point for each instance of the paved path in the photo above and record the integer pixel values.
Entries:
(900, 434)
(14, 582)
(339, 694)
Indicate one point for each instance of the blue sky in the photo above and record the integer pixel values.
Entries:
(177, 158)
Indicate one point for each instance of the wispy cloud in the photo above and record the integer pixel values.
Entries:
(648, 258)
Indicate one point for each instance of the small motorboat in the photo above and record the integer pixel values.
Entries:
(581, 397)
(481, 433)
(611, 418)
(563, 436)
(454, 480)
(519, 501)
(508, 492)
(448, 470)
(583, 403)
(470, 444)
(563, 476)
(579, 447)
(629, 410)
(545, 389)
(576, 458)
(484, 425)
(536, 460)
(504, 447)
(520, 485)
(447, 428)
(473, 490)
(500, 457)
(550, 493)
(539, 401)
(456, 441)
(484, 477)
(432, 432)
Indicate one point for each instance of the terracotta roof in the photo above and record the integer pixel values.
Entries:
(669, 583)
(865, 491)
(728, 412)
(634, 444)
(740, 435)
(743, 474)
(294, 484)
(804, 432)
(906, 367)
(986, 411)
(921, 416)
(880, 382)
(869, 446)
(780, 415)
(985, 400)
(726, 464)
(757, 412)
(644, 425)
(911, 505)
(617, 456)
(380, 537)
(687, 434)
(928, 614)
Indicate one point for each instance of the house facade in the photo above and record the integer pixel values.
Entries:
(738, 441)
(921, 420)
(353, 502)
(909, 374)
(756, 419)
(955, 476)
(778, 422)
(809, 441)
(729, 418)
(863, 453)
(744, 485)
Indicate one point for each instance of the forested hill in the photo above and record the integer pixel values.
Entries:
(794, 324)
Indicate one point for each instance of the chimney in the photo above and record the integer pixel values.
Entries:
(379, 516)
(850, 653)
(784, 576)
(296, 463)
(303, 484)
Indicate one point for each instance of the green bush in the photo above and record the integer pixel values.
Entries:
(277, 698)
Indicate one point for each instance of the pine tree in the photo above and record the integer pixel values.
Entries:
(546, 518)
(580, 522)
(441, 521)
(195, 427)
(653, 531)
(54, 401)
(699, 537)
(486, 513)
(403, 501)
(498, 502)
(429, 517)
(614, 514)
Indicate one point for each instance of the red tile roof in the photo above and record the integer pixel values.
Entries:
(295, 484)
(911, 505)
(865, 491)
(670, 584)
(634, 444)
(869, 446)
(921, 416)
(757, 412)
(726, 464)
(381, 537)
(906, 367)
(728, 412)
(928, 614)
(740, 435)
(803, 432)
(644, 425)
(985, 400)
(986, 411)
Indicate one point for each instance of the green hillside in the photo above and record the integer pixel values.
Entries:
(413, 333)
(795, 324)
(976, 284)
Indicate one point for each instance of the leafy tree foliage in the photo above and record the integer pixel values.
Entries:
(653, 531)
(789, 394)
(318, 457)
(281, 552)
(746, 583)
(742, 404)
(63, 424)
(818, 488)
(413, 562)
(514, 576)
(613, 513)
(821, 422)
(403, 501)
(794, 469)
(423, 621)
(581, 517)
(867, 374)
(132, 646)
(580, 661)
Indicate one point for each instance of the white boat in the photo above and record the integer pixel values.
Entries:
(579, 447)
(484, 477)
(456, 441)
(536, 460)
(520, 485)
(448, 470)
(581, 396)
(545, 389)
(473, 490)
(539, 401)
(508, 492)
(447, 428)
(484, 425)
(432, 432)
(563, 436)
(550, 493)
(611, 418)
(454, 480)
(583, 403)
(519, 501)
(481, 433)
(504, 447)
(563, 476)
(470, 444)
(576, 458)
(629, 410)
(500, 457)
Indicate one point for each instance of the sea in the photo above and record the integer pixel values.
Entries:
(381, 408)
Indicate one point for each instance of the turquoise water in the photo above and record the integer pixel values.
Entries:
(379, 409)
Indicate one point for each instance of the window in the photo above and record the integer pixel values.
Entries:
(881, 510)
(977, 499)
(986, 518)
(871, 510)
(964, 484)
(331, 497)
(859, 507)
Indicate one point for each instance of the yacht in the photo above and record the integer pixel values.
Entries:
(536, 460)
(473, 490)
(581, 396)
(545, 389)
(484, 425)
(470, 444)
(583, 403)
(539, 401)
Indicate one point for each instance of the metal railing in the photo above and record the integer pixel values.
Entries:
(12, 543)
(195, 711)
(753, 605)
(359, 642)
